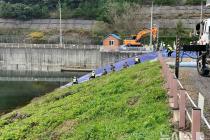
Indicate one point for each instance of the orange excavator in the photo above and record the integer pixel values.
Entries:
(135, 41)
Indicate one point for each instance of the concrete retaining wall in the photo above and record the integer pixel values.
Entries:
(40, 57)
(47, 24)
(48, 59)
(113, 57)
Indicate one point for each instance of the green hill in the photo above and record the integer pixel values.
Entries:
(130, 104)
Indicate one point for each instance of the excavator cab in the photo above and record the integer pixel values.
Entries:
(133, 37)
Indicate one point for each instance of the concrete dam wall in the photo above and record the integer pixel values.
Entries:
(34, 57)
(48, 58)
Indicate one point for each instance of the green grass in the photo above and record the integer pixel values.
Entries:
(130, 104)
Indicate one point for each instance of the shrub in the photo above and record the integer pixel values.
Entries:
(36, 37)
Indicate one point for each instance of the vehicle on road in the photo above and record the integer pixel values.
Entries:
(202, 47)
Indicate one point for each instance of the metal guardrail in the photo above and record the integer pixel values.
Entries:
(64, 46)
(194, 105)
(133, 49)
(75, 46)
(125, 49)
(179, 101)
(31, 79)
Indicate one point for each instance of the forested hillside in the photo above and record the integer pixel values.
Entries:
(84, 9)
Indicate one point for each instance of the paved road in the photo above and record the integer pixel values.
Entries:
(194, 83)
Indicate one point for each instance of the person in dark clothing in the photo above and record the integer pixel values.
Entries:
(112, 67)
(105, 72)
(93, 75)
(169, 50)
(125, 65)
(75, 80)
(137, 60)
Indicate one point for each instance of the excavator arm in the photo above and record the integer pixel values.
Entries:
(140, 35)
(143, 33)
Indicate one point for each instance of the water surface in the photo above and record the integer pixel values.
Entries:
(19, 88)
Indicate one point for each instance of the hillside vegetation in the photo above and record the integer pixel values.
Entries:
(130, 104)
(86, 9)
(122, 17)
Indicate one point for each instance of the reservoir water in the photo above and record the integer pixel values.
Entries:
(19, 88)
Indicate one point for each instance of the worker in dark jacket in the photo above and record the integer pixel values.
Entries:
(169, 50)
(105, 72)
(112, 67)
(75, 80)
(137, 60)
(93, 75)
(125, 65)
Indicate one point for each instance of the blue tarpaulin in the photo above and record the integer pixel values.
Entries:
(118, 66)
(182, 54)
(130, 61)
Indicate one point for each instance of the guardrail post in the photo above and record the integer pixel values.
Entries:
(174, 91)
(182, 113)
(167, 76)
(162, 65)
(164, 69)
(170, 75)
(174, 85)
(170, 83)
(196, 123)
(175, 99)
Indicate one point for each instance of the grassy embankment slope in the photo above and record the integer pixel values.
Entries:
(130, 104)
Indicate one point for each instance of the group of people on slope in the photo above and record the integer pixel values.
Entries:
(112, 68)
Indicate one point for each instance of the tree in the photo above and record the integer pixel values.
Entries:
(126, 18)
(180, 29)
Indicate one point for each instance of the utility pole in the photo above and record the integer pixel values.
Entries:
(157, 47)
(61, 35)
(201, 18)
(151, 27)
